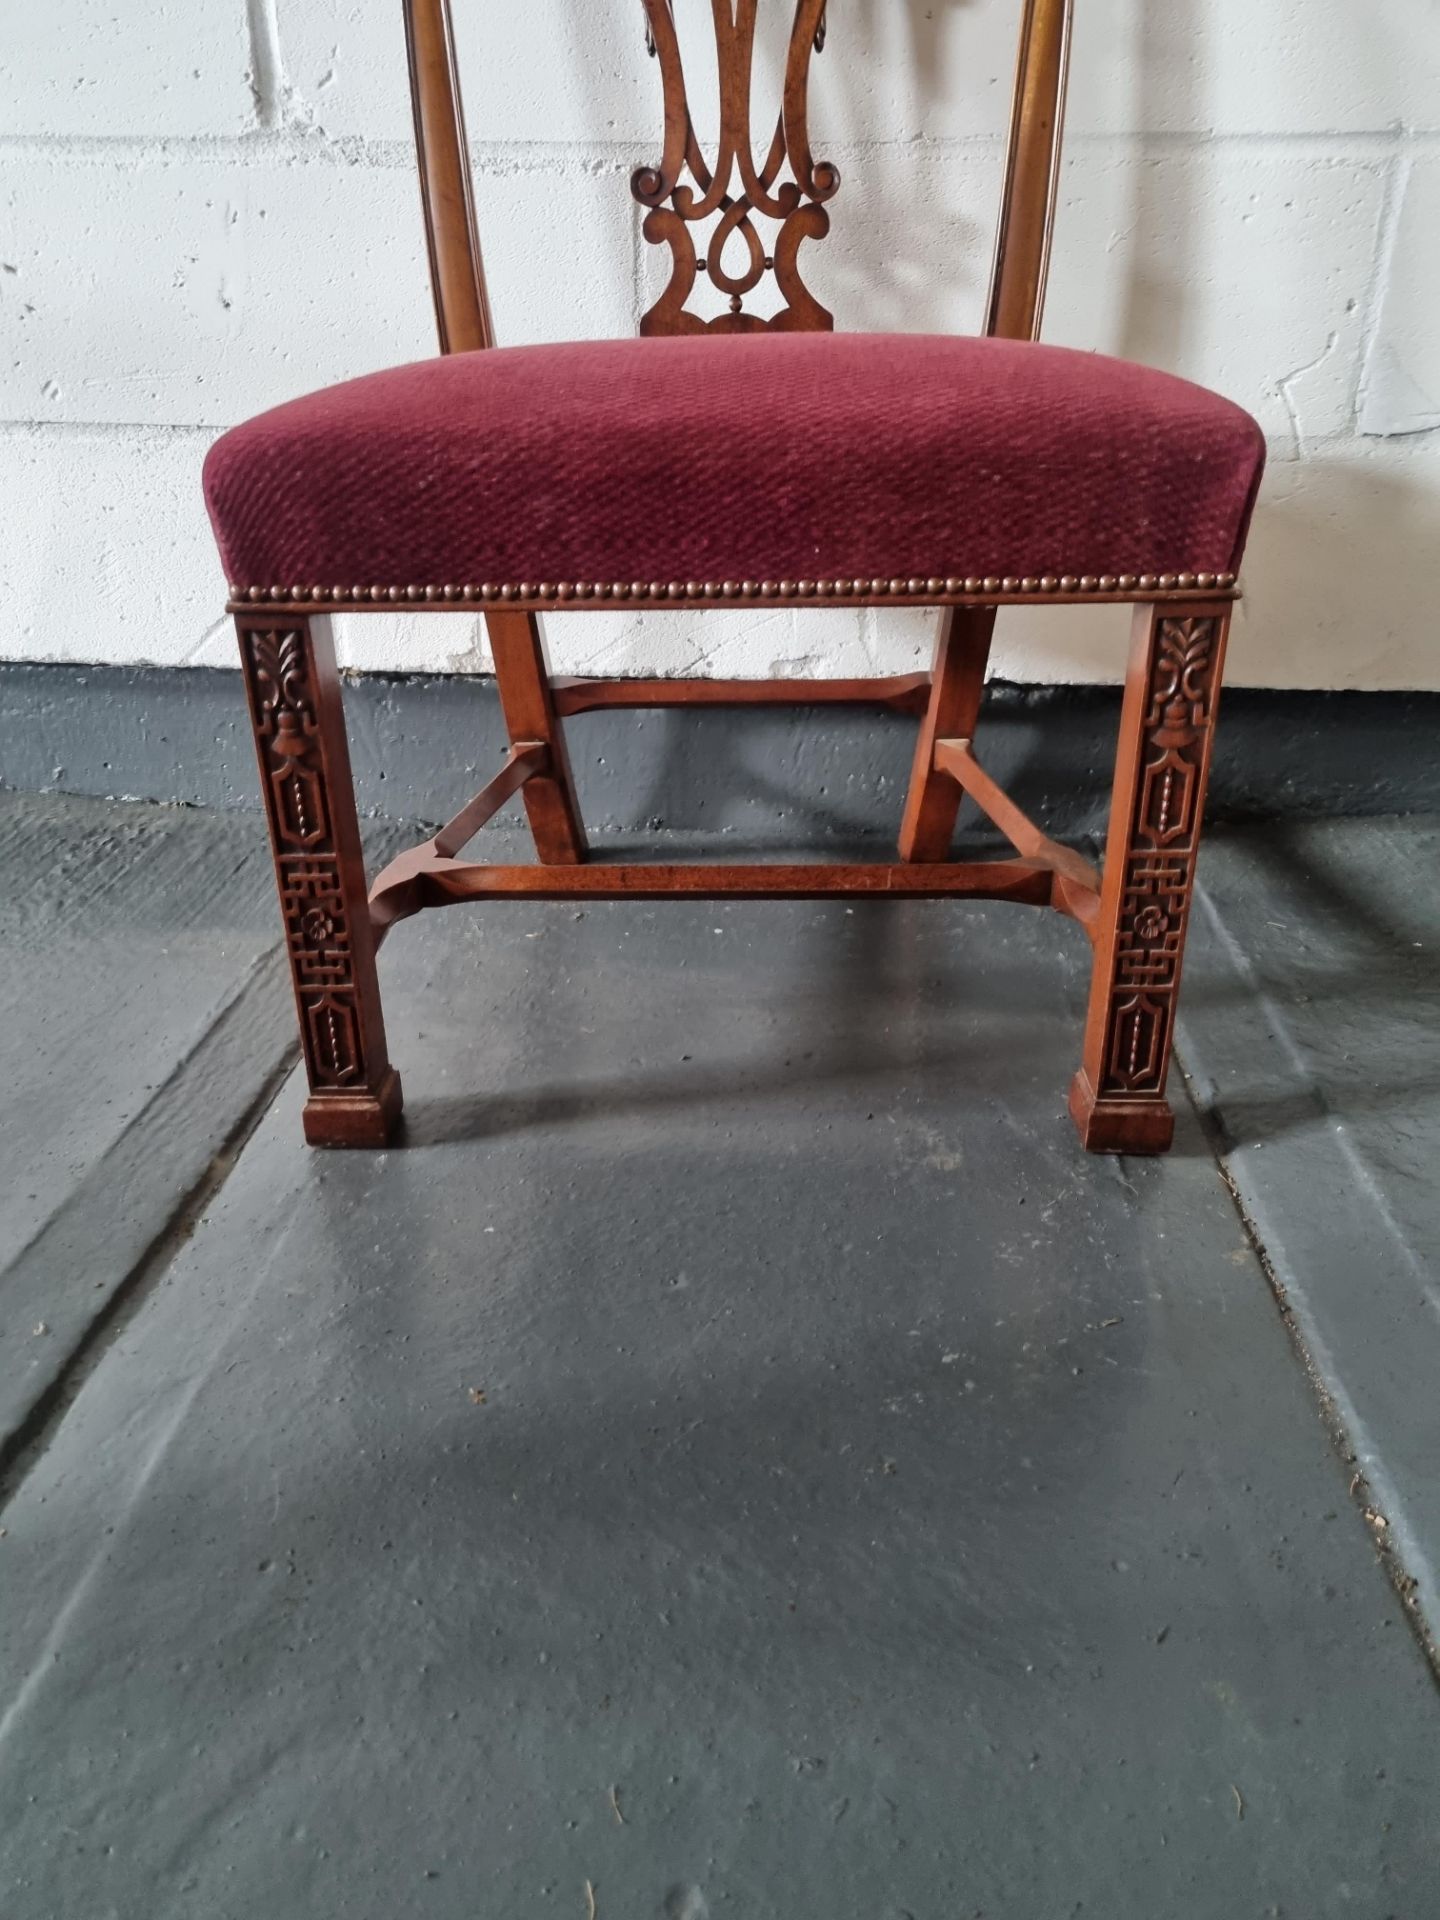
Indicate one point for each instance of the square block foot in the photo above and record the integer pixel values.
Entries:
(364, 1119)
(1120, 1126)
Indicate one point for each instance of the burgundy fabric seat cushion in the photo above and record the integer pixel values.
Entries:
(758, 457)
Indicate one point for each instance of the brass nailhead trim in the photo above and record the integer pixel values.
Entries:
(896, 589)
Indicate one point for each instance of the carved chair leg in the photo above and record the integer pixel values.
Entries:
(1166, 729)
(294, 694)
(962, 649)
(523, 675)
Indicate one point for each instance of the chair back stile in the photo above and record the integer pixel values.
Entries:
(675, 206)
(457, 271)
(1032, 173)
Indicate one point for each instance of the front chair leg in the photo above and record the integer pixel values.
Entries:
(1166, 729)
(294, 694)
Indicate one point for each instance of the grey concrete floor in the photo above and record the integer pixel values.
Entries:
(142, 1013)
(737, 1455)
(1311, 1030)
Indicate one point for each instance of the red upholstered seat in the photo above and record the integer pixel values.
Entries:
(759, 457)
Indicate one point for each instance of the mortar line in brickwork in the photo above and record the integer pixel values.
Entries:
(33, 425)
(293, 145)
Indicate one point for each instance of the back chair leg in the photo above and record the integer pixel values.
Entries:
(294, 694)
(1166, 730)
(957, 687)
(523, 675)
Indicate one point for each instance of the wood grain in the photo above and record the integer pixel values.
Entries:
(962, 650)
(900, 693)
(457, 272)
(522, 674)
(1032, 172)
(419, 879)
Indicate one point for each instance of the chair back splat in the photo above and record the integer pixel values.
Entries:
(789, 188)
(797, 204)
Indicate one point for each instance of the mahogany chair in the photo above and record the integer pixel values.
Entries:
(784, 464)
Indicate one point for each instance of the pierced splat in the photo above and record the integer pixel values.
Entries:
(676, 206)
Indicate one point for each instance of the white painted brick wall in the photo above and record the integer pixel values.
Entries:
(208, 205)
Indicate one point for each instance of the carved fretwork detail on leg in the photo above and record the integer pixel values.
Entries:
(285, 724)
(334, 1039)
(1161, 771)
(316, 924)
(1152, 920)
(315, 838)
(1160, 856)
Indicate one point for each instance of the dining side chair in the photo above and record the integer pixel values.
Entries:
(741, 460)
